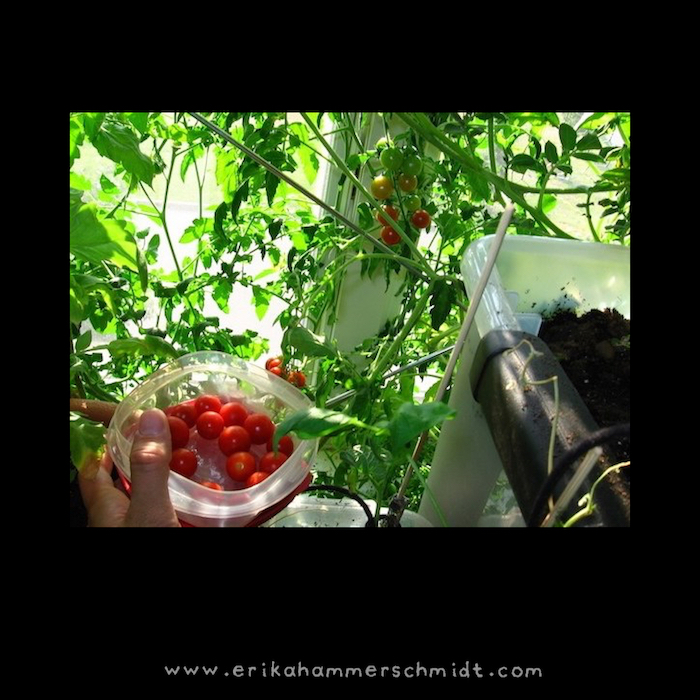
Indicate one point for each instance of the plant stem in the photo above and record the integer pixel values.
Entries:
(590, 220)
(381, 363)
(590, 505)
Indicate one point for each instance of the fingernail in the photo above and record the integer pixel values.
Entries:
(152, 423)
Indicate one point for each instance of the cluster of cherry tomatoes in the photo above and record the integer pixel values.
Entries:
(238, 432)
(277, 367)
(405, 166)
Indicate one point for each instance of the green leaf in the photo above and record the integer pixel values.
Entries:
(87, 442)
(83, 341)
(308, 343)
(589, 156)
(142, 268)
(479, 185)
(135, 347)
(317, 422)
(95, 239)
(155, 345)
(274, 228)
(549, 201)
(567, 135)
(413, 419)
(366, 216)
(77, 135)
(139, 120)
(118, 143)
(77, 312)
(550, 152)
(523, 162)
(221, 293)
(262, 302)
(79, 182)
(588, 141)
(441, 302)
(271, 183)
(238, 198)
(108, 186)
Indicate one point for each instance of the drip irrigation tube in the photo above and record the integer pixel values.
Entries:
(599, 437)
(349, 494)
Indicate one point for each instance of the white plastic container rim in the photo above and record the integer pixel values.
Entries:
(557, 272)
(211, 503)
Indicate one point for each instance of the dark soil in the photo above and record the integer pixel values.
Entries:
(594, 351)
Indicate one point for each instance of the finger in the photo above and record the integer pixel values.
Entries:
(105, 506)
(150, 469)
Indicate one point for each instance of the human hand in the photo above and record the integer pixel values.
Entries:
(149, 505)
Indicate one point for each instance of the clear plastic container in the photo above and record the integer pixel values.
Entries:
(231, 379)
(308, 510)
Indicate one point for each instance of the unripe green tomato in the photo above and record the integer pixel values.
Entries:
(412, 202)
(412, 164)
(391, 158)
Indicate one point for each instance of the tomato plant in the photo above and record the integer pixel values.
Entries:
(144, 291)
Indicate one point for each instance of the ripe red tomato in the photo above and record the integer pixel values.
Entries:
(278, 371)
(179, 432)
(233, 413)
(260, 428)
(407, 183)
(183, 462)
(420, 219)
(389, 236)
(297, 378)
(207, 402)
(234, 438)
(272, 461)
(392, 211)
(240, 465)
(381, 187)
(212, 485)
(256, 478)
(273, 362)
(185, 411)
(210, 425)
(286, 445)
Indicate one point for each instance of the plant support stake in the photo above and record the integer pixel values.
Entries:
(398, 503)
(414, 269)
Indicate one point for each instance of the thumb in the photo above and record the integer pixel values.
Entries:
(150, 469)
